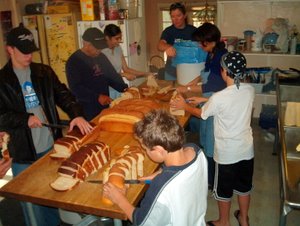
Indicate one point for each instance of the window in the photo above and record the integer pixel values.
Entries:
(197, 15)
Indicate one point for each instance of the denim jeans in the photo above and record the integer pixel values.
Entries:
(113, 94)
(36, 215)
(207, 141)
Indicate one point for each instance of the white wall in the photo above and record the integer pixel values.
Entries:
(234, 17)
(6, 5)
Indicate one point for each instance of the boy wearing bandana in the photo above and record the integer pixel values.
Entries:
(234, 152)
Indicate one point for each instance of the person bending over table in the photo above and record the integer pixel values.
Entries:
(90, 74)
(178, 191)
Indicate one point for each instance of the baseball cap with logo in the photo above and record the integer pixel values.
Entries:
(22, 39)
(95, 37)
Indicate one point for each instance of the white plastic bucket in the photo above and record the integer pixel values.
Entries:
(188, 72)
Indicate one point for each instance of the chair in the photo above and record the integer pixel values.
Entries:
(157, 65)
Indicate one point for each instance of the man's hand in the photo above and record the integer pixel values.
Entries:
(171, 51)
(84, 126)
(181, 89)
(178, 103)
(128, 76)
(34, 122)
(104, 100)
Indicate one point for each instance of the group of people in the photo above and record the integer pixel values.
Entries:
(31, 91)
(178, 191)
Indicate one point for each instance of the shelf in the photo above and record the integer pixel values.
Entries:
(271, 54)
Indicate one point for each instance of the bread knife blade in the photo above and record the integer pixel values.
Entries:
(126, 181)
(54, 125)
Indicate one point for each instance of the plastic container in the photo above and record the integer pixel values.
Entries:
(293, 45)
(257, 42)
(248, 37)
(188, 72)
(131, 6)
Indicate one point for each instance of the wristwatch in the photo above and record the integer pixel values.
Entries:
(188, 88)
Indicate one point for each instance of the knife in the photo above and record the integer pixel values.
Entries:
(126, 181)
(54, 125)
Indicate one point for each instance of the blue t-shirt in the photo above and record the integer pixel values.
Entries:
(215, 81)
(42, 137)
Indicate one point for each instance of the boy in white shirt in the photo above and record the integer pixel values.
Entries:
(234, 153)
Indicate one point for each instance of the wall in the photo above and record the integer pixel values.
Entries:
(15, 7)
(234, 17)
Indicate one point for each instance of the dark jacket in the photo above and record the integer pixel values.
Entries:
(13, 115)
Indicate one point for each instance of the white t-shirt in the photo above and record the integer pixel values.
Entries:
(115, 57)
(232, 109)
(177, 196)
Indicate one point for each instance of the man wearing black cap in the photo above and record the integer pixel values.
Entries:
(28, 98)
(90, 74)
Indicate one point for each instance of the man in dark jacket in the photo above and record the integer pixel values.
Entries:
(29, 95)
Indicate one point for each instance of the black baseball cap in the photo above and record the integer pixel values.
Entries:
(21, 38)
(95, 37)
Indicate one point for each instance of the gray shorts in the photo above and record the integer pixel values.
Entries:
(233, 178)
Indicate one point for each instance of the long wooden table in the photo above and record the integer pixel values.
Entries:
(32, 185)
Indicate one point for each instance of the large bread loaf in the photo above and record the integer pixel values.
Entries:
(130, 93)
(122, 117)
(82, 163)
(71, 142)
(126, 167)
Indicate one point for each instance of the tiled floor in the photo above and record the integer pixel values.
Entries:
(265, 199)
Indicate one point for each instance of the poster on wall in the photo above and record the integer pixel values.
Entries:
(6, 23)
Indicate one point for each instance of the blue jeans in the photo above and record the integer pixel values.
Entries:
(194, 124)
(113, 94)
(36, 215)
(207, 141)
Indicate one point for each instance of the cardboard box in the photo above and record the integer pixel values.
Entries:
(63, 7)
(89, 9)
(103, 9)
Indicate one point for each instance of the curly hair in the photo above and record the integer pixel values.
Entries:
(161, 128)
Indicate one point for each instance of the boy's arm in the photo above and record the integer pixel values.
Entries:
(116, 195)
(180, 103)
(150, 177)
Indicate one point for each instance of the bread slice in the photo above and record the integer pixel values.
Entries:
(174, 111)
(4, 150)
(63, 183)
